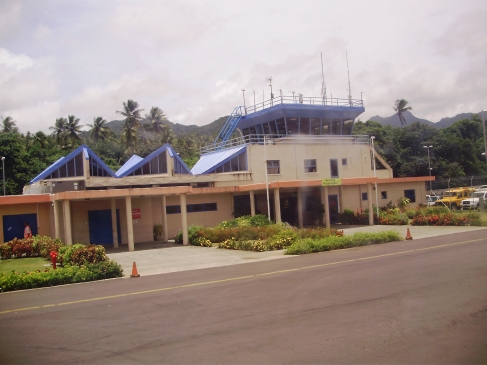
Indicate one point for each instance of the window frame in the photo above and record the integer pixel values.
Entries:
(272, 166)
(310, 166)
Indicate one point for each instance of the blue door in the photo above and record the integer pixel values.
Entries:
(13, 225)
(333, 208)
(100, 226)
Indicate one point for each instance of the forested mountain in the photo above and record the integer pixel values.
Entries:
(394, 121)
(180, 130)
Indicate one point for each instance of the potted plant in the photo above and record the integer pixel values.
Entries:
(317, 212)
(157, 232)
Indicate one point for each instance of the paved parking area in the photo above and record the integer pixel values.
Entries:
(153, 258)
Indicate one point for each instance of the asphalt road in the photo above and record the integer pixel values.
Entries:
(412, 302)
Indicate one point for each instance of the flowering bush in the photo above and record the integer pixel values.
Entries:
(426, 218)
(29, 247)
(79, 254)
(201, 241)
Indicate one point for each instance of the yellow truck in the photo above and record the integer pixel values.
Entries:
(453, 198)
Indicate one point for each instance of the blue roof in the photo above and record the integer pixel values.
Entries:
(87, 153)
(213, 160)
(300, 110)
(136, 162)
(132, 161)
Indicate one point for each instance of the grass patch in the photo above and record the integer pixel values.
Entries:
(309, 245)
(23, 264)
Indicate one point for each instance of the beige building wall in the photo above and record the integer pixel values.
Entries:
(291, 159)
(224, 211)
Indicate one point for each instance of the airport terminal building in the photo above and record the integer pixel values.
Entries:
(277, 158)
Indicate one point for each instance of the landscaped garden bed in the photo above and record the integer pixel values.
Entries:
(75, 263)
(259, 234)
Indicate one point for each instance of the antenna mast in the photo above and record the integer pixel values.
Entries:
(323, 85)
(349, 89)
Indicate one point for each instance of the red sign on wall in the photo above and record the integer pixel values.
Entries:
(136, 213)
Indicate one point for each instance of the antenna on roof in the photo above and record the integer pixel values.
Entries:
(349, 89)
(270, 84)
(323, 84)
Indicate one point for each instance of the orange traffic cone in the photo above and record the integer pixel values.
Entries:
(135, 274)
(408, 235)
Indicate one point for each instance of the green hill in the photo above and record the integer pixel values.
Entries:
(179, 130)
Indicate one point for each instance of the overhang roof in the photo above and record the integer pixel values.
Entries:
(215, 159)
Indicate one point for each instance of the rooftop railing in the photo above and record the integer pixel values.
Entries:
(300, 99)
(271, 139)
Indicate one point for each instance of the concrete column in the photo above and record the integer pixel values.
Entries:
(277, 205)
(57, 230)
(300, 208)
(113, 207)
(369, 200)
(164, 219)
(67, 223)
(252, 203)
(340, 200)
(130, 224)
(184, 218)
(327, 207)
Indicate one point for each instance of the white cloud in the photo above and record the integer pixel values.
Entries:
(192, 59)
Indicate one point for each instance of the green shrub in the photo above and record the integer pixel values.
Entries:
(309, 245)
(79, 254)
(63, 275)
(316, 233)
(260, 220)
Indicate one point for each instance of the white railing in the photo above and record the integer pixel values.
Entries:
(304, 100)
(283, 139)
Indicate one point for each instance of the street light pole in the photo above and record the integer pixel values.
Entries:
(485, 140)
(429, 164)
(375, 175)
(3, 170)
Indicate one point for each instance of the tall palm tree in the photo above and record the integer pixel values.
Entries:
(400, 108)
(59, 130)
(130, 136)
(158, 120)
(73, 128)
(8, 125)
(131, 112)
(98, 131)
(41, 139)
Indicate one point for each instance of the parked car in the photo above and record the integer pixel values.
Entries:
(482, 187)
(431, 200)
(474, 200)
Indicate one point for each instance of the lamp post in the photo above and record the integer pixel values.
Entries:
(485, 140)
(3, 170)
(375, 175)
(429, 164)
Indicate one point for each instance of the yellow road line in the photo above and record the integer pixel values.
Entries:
(239, 278)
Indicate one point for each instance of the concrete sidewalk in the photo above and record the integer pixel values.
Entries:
(158, 258)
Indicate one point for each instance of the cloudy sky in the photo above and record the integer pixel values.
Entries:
(193, 58)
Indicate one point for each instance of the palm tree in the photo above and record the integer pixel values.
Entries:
(158, 120)
(8, 125)
(98, 131)
(131, 112)
(400, 108)
(130, 136)
(59, 130)
(73, 128)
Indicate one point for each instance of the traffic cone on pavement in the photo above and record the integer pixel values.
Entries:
(135, 274)
(408, 235)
